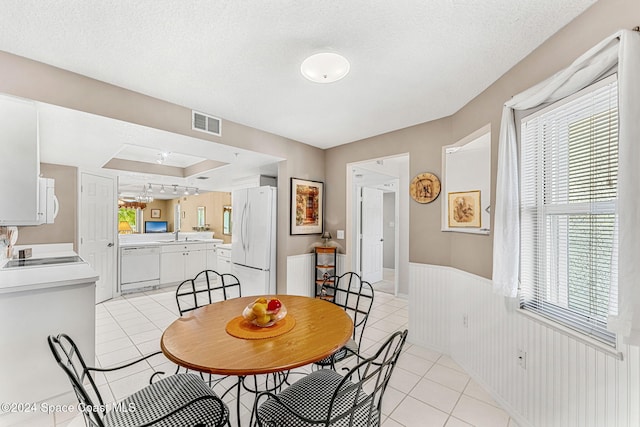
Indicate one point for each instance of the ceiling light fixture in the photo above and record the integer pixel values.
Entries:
(325, 67)
(145, 196)
(162, 157)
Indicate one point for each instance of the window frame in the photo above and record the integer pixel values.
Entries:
(137, 227)
(563, 317)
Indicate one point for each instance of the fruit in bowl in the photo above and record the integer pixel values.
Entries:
(265, 312)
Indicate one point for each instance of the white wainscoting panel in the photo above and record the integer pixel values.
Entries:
(300, 270)
(566, 382)
(300, 273)
(340, 263)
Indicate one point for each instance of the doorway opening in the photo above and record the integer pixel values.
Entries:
(377, 222)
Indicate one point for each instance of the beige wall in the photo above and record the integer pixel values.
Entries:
(212, 202)
(423, 142)
(64, 229)
(164, 207)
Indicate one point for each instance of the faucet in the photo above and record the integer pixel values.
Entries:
(176, 233)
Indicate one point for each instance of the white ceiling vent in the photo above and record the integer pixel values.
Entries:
(206, 123)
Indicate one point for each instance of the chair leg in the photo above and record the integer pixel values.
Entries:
(238, 390)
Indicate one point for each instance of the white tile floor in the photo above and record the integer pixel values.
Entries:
(427, 388)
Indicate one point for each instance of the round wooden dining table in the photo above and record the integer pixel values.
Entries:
(200, 340)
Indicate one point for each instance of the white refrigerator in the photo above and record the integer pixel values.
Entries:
(253, 241)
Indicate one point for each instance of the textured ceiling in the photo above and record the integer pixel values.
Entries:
(411, 61)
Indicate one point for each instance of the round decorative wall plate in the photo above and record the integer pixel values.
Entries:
(424, 188)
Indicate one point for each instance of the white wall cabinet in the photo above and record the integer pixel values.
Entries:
(181, 262)
(19, 163)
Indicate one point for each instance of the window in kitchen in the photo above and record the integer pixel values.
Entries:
(129, 220)
(569, 158)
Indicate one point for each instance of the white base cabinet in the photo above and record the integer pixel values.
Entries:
(195, 261)
(171, 267)
(30, 374)
(224, 261)
(181, 262)
(212, 256)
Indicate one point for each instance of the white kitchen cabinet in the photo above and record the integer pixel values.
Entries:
(171, 267)
(195, 261)
(19, 162)
(36, 301)
(212, 256)
(179, 262)
(224, 260)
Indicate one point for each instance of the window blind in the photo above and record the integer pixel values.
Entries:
(569, 163)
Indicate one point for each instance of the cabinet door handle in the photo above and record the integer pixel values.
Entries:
(110, 245)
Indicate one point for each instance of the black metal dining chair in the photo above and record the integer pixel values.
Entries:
(355, 296)
(326, 398)
(177, 400)
(207, 287)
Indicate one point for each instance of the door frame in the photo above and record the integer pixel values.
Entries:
(353, 250)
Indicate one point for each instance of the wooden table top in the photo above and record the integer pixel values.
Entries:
(199, 341)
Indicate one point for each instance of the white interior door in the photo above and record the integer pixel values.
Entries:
(372, 231)
(97, 231)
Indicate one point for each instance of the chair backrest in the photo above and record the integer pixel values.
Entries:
(207, 287)
(354, 295)
(354, 402)
(70, 360)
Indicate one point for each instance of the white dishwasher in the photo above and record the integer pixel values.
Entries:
(139, 268)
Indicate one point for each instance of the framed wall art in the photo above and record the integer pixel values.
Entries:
(424, 188)
(155, 213)
(307, 210)
(464, 209)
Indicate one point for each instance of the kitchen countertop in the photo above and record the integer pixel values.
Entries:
(170, 242)
(49, 276)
